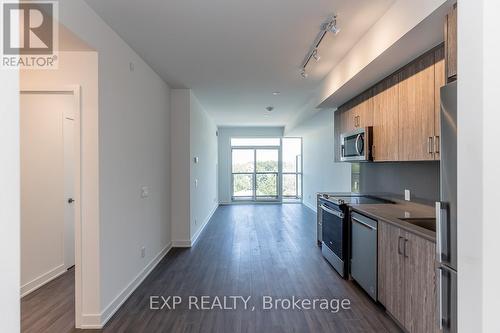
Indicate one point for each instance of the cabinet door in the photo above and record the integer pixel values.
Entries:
(391, 270)
(439, 81)
(364, 109)
(416, 110)
(420, 280)
(450, 33)
(347, 120)
(386, 120)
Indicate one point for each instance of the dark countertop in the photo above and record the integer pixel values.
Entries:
(393, 213)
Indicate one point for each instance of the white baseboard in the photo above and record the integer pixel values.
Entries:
(198, 233)
(42, 280)
(97, 321)
(190, 243)
(313, 208)
(181, 243)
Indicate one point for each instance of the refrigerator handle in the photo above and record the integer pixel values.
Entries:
(438, 231)
(441, 229)
(440, 298)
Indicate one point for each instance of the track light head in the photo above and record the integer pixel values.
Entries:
(303, 73)
(331, 26)
(315, 55)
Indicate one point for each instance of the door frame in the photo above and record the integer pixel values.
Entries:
(76, 91)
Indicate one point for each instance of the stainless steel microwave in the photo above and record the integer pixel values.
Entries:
(356, 145)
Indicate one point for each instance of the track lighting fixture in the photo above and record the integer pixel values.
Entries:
(329, 26)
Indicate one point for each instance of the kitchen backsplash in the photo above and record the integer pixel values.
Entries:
(421, 178)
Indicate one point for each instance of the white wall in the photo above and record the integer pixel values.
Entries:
(193, 134)
(9, 202)
(224, 146)
(203, 144)
(180, 171)
(320, 172)
(478, 165)
(133, 152)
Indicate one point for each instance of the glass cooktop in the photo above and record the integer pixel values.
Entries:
(353, 200)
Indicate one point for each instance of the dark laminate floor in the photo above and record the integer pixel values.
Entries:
(248, 250)
(50, 308)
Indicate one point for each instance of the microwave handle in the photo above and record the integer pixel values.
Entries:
(356, 144)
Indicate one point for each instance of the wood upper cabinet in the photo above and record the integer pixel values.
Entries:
(416, 110)
(357, 113)
(347, 118)
(420, 279)
(404, 110)
(363, 109)
(386, 120)
(439, 81)
(407, 278)
(391, 270)
(450, 39)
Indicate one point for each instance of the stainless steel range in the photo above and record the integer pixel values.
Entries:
(334, 227)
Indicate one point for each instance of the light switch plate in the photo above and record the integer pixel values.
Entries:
(144, 192)
(407, 195)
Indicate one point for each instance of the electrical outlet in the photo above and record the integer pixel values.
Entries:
(407, 195)
(143, 252)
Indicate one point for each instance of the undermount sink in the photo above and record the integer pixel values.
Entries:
(426, 223)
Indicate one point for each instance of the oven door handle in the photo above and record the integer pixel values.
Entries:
(331, 211)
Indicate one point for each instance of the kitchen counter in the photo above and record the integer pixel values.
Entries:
(395, 213)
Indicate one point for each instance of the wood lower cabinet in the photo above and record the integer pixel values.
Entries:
(416, 110)
(386, 120)
(391, 270)
(420, 285)
(406, 278)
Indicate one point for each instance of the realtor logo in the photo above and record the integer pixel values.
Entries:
(29, 35)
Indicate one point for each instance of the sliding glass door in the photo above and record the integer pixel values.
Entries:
(266, 169)
(256, 169)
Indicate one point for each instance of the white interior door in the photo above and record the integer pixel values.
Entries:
(47, 178)
(69, 187)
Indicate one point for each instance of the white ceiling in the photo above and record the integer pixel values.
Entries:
(234, 53)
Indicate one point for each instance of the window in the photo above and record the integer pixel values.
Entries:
(292, 168)
(266, 168)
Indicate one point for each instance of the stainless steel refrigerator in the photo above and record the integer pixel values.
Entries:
(446, 212)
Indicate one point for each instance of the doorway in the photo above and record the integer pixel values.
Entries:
(50, 186)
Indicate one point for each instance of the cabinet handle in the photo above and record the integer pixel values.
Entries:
(405, 249)
(436, 143)
(399, 245)
(429, 145)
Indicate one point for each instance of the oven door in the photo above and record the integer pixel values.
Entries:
(333, 232)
